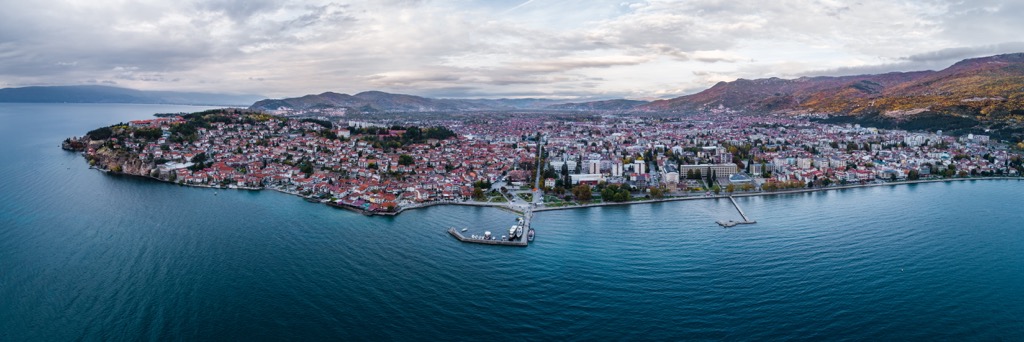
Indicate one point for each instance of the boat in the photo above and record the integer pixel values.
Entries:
(465, 229)
(512, 232)
(529, 235)
(519, 232)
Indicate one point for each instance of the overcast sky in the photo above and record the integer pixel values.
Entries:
(486, 48)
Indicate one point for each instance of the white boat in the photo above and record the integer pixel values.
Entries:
(519, 232)
(465, 229)
(512, 232)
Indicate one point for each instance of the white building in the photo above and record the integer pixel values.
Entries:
(587, 178)
(593, 166)
(671, 177)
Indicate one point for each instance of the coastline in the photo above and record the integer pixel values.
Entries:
(503, 206)
(772, 193)
(509, 207)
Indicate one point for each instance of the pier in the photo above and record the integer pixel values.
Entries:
(522, 242)
(731, 223)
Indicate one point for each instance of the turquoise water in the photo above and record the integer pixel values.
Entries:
(89, 256)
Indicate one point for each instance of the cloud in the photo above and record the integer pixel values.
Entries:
(931, 60)
(958, 53)
(566, 64)
(473, 47)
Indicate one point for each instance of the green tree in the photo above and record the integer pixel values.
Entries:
(306, 168)
(405, 160)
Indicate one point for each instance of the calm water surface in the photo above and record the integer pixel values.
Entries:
(86, 256)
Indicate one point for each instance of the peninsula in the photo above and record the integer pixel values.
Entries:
(399, 162)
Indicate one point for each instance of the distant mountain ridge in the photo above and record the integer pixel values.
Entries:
(989, 86)
(107, 94)
(378, 101)
(606, 105)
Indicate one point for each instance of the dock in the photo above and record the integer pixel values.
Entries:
(731, 223)
(519, 243)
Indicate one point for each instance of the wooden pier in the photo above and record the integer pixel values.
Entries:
(731, 223)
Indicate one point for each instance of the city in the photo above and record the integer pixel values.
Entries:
(389, 165)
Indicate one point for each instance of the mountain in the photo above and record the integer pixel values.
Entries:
(105, 94)
(607, 105)
(378, 101)
(988, 87)
(369, 101)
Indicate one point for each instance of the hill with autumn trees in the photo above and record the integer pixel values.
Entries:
(983, 89)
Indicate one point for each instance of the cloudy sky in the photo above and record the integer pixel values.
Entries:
(486, 48)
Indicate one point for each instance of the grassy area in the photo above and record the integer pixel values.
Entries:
(552, 199)
(526, 196)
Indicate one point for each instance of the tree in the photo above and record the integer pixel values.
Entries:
(478, 194)
(100, 133)
(730, 188)
(549, 172)
(615, 193)
(657, 192)
(582, 192)
(306, 168)
(405, 160)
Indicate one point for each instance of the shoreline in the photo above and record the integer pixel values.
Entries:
(511, 208)
(773, 193)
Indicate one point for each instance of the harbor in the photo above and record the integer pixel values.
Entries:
(520, 234)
